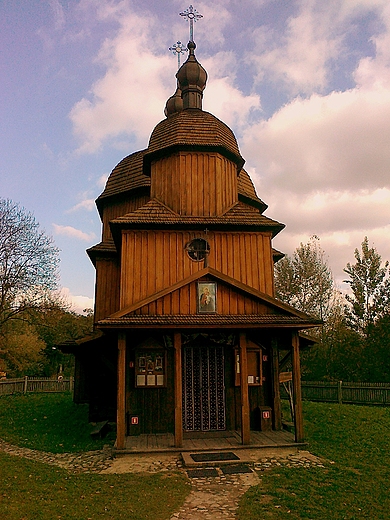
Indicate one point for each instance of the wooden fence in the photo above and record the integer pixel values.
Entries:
(342, 392)
(26, 385)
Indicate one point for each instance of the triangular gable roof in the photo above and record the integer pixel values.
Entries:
(240, 214)
(236, 284)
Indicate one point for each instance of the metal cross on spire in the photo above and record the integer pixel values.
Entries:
(177, 48)
(192, 15)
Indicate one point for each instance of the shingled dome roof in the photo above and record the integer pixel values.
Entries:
(192, 129)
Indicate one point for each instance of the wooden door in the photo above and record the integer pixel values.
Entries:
(204, 388)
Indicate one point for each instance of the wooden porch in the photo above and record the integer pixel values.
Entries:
(208, 441)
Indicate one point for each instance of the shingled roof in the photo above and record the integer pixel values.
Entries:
(128, 175)
(156, 213)
(197, 320)
(192, 129)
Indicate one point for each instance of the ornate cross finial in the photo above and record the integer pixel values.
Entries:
(192, 15)
(177, 48)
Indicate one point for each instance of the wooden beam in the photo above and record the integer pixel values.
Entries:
(277, 411)
(245, 422)
(121, 392)
(297, 393)
(178, 391)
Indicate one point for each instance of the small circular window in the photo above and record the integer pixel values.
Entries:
(198, 249)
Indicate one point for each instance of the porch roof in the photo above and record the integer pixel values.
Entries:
(210, 321)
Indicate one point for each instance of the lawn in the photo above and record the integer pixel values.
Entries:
(30, 490)
(33, 491)
(355, 482)
(354, 441)
(47, 422)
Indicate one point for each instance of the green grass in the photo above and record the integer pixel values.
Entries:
(47, 422)
(34, 491)
(354, 484)
(30, 490)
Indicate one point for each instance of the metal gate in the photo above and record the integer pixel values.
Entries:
(204, 388)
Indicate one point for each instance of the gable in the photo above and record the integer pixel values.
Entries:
(232, 298)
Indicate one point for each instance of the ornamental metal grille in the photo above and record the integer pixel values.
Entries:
(204, 388)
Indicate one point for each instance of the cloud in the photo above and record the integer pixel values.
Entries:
(101, 182)
(78, 303)
(299, 57)
(58, 13)
(72, 232)
(338, 142)
(302, 54)
(87, 204)
(130, 98)
(222, 98)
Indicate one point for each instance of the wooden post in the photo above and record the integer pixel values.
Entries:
(178, 391)
(340, 392)
(297, 393)
(25, 384)
(245, 422)
(277, 411)
(121, 392)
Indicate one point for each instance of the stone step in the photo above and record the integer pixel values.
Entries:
(198, 459)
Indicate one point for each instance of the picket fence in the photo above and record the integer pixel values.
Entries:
(24, 385)
(344, 392)
(331, 392)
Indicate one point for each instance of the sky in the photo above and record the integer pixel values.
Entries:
(304, 85)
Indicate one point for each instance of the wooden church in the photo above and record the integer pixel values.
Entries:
(189, 337)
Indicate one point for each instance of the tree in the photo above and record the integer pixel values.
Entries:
(305, 280)
(28, 264)
(23, 350)
(370, 285)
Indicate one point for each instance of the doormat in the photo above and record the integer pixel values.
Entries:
(232, 469)
(203, 472)
(215, 456)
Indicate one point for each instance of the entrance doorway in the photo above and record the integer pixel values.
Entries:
(204, 388)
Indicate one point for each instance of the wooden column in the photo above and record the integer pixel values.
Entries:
(245, 422)
(178, 391)
(121, 393)
(277, 411)
(297, 393)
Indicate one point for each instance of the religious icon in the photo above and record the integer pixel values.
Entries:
(207, 293)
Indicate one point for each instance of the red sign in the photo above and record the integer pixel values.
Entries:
(266, 415)
(134, 420)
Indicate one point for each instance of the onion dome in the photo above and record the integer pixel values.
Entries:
(191, 78)
(174, 104)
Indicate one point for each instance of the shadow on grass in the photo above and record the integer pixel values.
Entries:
(48, 422)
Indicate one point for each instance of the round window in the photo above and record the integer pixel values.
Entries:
(198, 249)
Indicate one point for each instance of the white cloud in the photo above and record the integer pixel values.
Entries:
(72, 232)
(78, 303)
(130, 98)
(87, 204)
(299, 57)
(101, 182)
(338, 142)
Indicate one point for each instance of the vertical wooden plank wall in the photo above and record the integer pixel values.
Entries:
(119, 208)
(205, 183)
(246, 257)
(107, 287)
